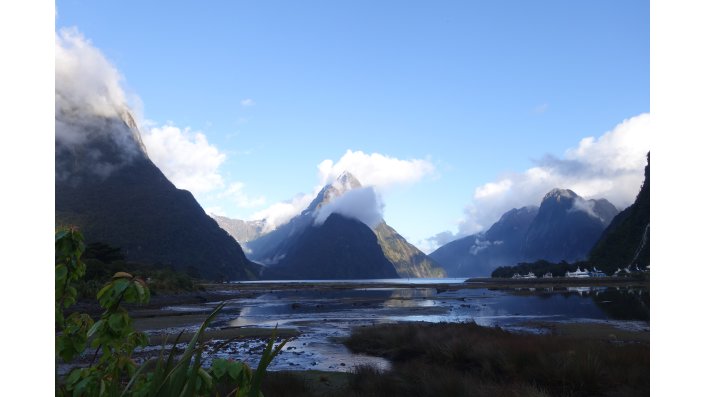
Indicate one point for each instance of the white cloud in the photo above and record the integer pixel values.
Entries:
(363, 204)
(90, 105)
(192, 163)
(185, 157)
(372, 170)
(247, 102)
(611, 167)
(279, 213)
(585, 206)
(375, 169)
(85, 81)
(430, 244)
(242, 200)
(493, 189)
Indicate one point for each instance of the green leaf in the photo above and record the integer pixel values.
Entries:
(234, 369)
(218, 368)
(95, 327)
(103, 291)
(60, 235)
(110, 294)
(116, 321)
(60, 272)
(74, 376)
(81, 386)
(122, 275)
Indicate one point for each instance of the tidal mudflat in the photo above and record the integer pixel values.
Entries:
(318, 315)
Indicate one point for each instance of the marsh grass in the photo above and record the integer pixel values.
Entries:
(467, 359)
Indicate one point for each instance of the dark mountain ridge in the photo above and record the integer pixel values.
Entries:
(566, 227)
(340, 248)
(106, 185)
(626, 240)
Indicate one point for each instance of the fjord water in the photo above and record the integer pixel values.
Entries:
(325, 315)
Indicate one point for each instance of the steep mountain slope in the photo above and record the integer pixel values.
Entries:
(477, 255)
(566, 227)
(408, 260)
(107, 186)
(340, 248)
(626, 240)
(271, 247)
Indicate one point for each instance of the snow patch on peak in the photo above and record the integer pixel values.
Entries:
(559, 194)
(346, 182)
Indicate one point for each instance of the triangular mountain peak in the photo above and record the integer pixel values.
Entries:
(344, 183)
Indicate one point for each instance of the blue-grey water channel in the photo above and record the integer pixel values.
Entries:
(325, 316)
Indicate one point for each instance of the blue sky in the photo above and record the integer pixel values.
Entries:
(478, 93)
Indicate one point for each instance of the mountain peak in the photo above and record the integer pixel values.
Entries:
(558, 194)
(346, 181)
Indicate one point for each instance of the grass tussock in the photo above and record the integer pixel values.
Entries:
(470, 360)
(285, 384)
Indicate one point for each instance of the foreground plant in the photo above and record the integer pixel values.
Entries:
(114, 339)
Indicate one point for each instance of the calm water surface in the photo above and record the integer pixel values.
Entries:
(325, 316)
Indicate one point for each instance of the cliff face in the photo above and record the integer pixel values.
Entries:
(107, 186)
(626, 242)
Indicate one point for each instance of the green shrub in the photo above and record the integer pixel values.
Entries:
(113, 337)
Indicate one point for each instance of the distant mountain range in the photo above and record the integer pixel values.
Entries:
(107, 186)
(242, 231)
(282, 250)
(564, 227)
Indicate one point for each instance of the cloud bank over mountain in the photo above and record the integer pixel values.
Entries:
(186, 158)
(372, 170)
(363, 204)
(610, 166)
(375, 169)
(90, 105)
(85, 81)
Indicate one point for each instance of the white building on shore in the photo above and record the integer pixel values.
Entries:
(578, 274)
